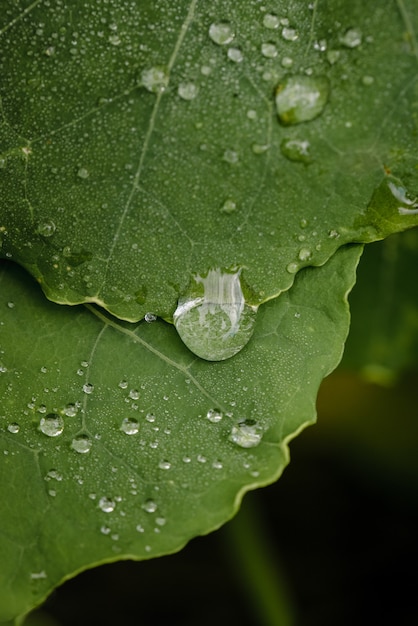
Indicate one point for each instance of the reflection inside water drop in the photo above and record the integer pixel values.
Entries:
(246, 434)
(213, 319)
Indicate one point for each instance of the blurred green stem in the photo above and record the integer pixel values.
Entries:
(256, 564)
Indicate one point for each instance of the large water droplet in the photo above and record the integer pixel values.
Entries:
(221, 33)
(410, 206)
(301, 98)
(213, 319)
(155, 79)
(246, 434)
(51, 425)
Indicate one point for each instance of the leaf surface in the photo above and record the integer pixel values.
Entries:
(118, 443)
(141, 143)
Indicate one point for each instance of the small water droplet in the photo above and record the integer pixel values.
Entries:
(296, 150)
(161, 521)
(301, 98)
(164, 465)
(105, 530)
(46, 229)
(188, 91)
(115, 40)
(155, 79)
(333, 234)
(410, 205)
(231, 156)
(150, 506)
(251, 114)
(150, 317)
(269, 50)
(83, 173)
(129, 426)
(13, 428)
(304, 254)
(134, 394)
(217, 465)
(320, 45)
(333, 56)
(246, 434)
(51, 425)
(292, 268)
(150, 417)
(303, 223)
(81, 444)
(229, 206)
(53, 475)
(106, 505)
(260, 148)
(235, 54)
(287, 62)
(351, 38)
(214, 415)
(367, 80)
(88, 388)
(290, 34)
(123, 384)
(213, 319)
(270, 20)
(70, 410)
(221, 33)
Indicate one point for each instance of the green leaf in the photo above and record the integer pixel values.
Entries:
(383, 339)
(118, 443)
(144, 144)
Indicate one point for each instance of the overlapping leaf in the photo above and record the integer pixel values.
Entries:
(141, 143)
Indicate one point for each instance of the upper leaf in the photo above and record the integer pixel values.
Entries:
(146, 143)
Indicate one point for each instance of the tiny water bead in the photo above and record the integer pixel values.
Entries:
(221, 33)
(301, 98)
(88, 388)
(51, 425)
(289, 34)
(129, 426)
(13, 428)
(150, 317)
(271, 21)
(292, 268)
(81, 444)
(213, 319)
(351, 38)
(229, 206)
(246, 434)
(83, 173)
(269, 50)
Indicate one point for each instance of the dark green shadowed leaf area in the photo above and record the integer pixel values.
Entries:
(118, 443)
(146, 143)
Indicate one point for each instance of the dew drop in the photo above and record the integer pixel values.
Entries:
(292, 268)
(271, 21)
(351, 38)
(296, 150)
(51, 425)
(106, 505)
(46, 229)
(229, 206)
(129, 426)
(269, 50)
(289, 34)
(409, 205)
(150, 317)
(367, 80)
(217, 465)
(53, 475)
(287, 62)
(214, 415)
(221, 33)
(123, 384)
(150, 506)
(13, 428)
(235, 54)
(188, 91)
(88, 388)
(115, 40)
(304, 254)
(70, 410)
(134, 394)
(333, 56)
(164, 465)
(83, 173)
(301, 98)
(81, 444)
(161, 521)
(260, 148)
(231, 156)
(246, 434)
(155, 79)
(213, 319)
